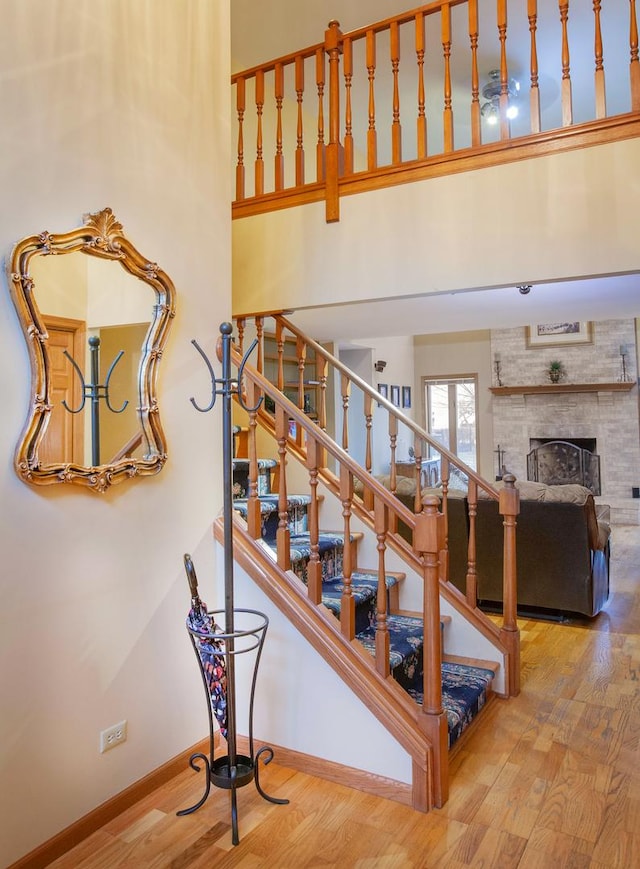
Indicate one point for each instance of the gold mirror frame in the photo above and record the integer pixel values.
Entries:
(101, 236)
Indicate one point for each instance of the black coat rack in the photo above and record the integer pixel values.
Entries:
(220, 647)
(96, 392)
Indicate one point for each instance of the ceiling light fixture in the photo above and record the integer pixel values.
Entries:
(524, 289)
(492, 91)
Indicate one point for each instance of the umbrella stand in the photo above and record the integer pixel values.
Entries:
(217, 648)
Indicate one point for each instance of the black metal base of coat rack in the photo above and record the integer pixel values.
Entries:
(232, 770)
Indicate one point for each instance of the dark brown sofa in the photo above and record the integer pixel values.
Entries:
(562, 547)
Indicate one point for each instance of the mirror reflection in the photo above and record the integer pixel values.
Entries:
(95, 320)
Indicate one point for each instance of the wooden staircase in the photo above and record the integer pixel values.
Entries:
(400, 662)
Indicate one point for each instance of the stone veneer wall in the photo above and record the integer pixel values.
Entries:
(610, 417)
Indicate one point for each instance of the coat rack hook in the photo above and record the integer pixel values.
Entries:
(211, 375)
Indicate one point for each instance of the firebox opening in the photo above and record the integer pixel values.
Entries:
(558, 462)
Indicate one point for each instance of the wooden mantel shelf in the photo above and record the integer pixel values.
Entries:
(555, 388)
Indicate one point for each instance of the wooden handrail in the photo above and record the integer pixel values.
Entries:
(345, 103)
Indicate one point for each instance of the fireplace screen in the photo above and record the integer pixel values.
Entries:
(559, 462)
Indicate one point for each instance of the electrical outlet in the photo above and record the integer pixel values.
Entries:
(113, 736)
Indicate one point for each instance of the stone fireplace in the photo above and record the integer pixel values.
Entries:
(590, 408)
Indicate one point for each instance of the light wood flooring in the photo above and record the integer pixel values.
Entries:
(549, 779)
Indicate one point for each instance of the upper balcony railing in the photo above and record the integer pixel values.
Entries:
(449, 86)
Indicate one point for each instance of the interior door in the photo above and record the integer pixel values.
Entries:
(64, 438)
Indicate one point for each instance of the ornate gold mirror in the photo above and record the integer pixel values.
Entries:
(95, 321)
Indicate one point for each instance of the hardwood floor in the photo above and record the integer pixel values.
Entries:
(549, 779)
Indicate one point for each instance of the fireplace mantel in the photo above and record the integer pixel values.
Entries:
(556, 388)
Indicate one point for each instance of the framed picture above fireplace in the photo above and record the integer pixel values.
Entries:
(559, 334)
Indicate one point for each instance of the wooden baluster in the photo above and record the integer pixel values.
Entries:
(393, 473)
(380, 524)
(447, 117)
(505, 130)
(314, 568)
(372, 137)
(320, 167)
(417, 454)
(280, 351)
(471, 585)
(300, 127)
(368, 455)
(321, 377)
(345, 391)
(421, 126)
(444, 552)
(347, 603)
(476, 127)
(259, 171)
(634, 62)
(509, 507)
(278, 165)
(534, 96)
(333, 42)
(601, 104)
(301, 353)
(347, 60)
(567, 104)
(429, 541)
(396, 127)
(260, 337)
(254, 517)
(240, 109)
(240, 323)
(283, 536)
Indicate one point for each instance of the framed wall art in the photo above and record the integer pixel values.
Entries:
(559, 334)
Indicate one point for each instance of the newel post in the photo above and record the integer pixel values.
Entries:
(333, 47)
(429, 540)
(509, 506)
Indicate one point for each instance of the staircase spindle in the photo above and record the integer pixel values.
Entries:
(333, 152)
(372, 136)
(345, 391)
(534, 95)
(240, 323)
(283, 536)
(347, 61)
(509, 507)
(421, 123)
(254, 517)
(280, 354)
(320, 81)
(380, 518)
(368, 450)
(567, 105)
(634, 61)
(347, 605)
(417, 459)
(240, 109)
(447, 116)
(504, 70)
(396, 127)
(476, 128)
(278, 165)
(471, 585)
(393, 472)
(601, 104)
(314, 569)
(299, 67)
(259, 167)
(301, 352)
(260, 337)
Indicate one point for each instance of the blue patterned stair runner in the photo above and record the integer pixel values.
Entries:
(464, 687)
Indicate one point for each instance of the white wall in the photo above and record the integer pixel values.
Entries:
(551, 218)
(124, 104)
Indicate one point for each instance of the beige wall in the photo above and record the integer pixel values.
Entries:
(560, 216)
(124, 104)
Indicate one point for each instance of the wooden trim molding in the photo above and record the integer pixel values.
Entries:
(555, 388)
(72, 835)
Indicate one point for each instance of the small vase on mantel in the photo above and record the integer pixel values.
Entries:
(556, 371)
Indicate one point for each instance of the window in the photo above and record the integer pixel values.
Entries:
(451, 415)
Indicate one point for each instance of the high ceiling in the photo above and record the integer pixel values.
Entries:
(262, 31)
